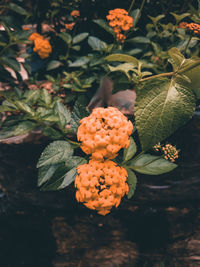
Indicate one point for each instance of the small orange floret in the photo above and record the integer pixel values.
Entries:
(69, 26)
(101, 185)
(75, 13)
(104, 133)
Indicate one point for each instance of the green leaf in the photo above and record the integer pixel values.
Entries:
(178, 18)
(80, 37)
(162, 106)
(96, 43)
(18, 9)
(45, 97)
(31, 96)
(53, 64)
(68, 178)
(122, 58)
(18, 129)
(52, 133)
(24, 107)
(79, 62)
(125, 67)
(63, 113)
(139, 39)
(136, 16)
(11, 62)
(132, 181)
(66, 37)
(56, 152)
(156, 19)
(151, 165)
(192, 73)
(75, 161)
(104, 25)
(56, 178)
(130, 151)
(45, 173)
(78, 113)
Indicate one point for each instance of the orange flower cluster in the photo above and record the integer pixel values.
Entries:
(120, 21)
(193, 27)
(101, 185)
(41, 45)
(69, 26)
(104, 133)
(75, 13)
(169, 152)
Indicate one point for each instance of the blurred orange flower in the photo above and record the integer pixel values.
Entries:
(119, 20)
(75, 13)
(69, 26)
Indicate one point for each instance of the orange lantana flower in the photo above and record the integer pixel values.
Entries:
(119, 20)
(41, 45)
(104, 133)
(101, 185)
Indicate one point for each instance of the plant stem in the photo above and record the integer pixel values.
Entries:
(157, 76)
(132, 3)
(167, 74)
(187, 44)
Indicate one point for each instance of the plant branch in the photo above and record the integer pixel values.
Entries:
(167, 74)
(131, 5)
(187, 44)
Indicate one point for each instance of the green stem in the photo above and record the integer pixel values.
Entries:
(131, 5)
(157, 76)
(140, 11)
(187, 44)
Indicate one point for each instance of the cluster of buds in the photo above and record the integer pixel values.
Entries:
(169, 152)
(75, 14)
(192, 27)
(120, 21)
(41, 45)
(101, 183)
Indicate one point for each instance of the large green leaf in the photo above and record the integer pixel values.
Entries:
(161, 107)
(56, 152)
(18, 129)
(132, 181)
(63, 113)
(152, 165)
